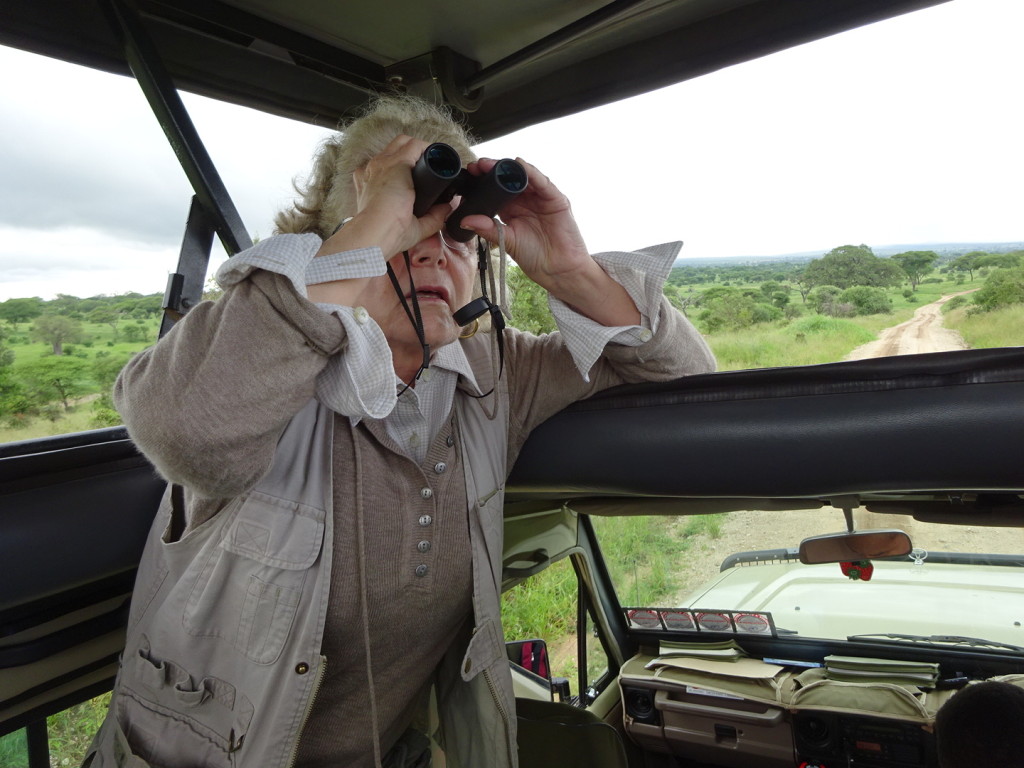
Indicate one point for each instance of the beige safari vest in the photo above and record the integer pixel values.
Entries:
(222, 657)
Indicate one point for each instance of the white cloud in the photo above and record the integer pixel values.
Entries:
(81, 262)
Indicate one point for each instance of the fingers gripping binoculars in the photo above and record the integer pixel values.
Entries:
(438, 176)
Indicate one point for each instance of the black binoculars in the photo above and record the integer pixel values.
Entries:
(438, 176)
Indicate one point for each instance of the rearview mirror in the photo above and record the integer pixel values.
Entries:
(854, 545)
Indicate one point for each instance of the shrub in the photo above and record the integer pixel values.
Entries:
(955, 303)
(867, 300)
(1003, 288)
(103, 413)
(765, 313)
(730, 310)
(821, 298)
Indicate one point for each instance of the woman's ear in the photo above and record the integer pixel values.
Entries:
(359, 182)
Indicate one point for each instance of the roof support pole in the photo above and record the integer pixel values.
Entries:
(185, 286)
(145, 63)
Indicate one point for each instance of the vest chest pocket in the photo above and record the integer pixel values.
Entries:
(249, 586)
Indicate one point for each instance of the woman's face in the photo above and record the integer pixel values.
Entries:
(443, 275)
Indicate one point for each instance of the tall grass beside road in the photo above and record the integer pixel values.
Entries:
(807, 341)
(985, 330)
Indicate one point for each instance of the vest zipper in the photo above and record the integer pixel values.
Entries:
(494, 694)
(501, 710)
(309, 709)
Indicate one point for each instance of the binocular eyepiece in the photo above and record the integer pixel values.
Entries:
(438, 176)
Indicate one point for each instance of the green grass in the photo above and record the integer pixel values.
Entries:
(814, 339)
(806, 341)
(985, 330)
(70, 733)
(14, 750)
(537, 607)
(78, 419)
(97, 338)
(98, 342)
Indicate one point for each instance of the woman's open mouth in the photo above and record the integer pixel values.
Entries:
(428, 293)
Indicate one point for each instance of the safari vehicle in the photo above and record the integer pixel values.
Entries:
(782, 658)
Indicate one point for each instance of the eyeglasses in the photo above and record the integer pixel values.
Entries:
(467, 248)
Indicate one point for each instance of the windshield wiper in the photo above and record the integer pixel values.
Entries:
(977, 642)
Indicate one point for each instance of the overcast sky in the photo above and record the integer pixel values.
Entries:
(907, 131)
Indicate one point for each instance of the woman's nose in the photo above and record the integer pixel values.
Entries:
(429, 250)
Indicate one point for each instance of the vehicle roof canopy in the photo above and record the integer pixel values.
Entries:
(507, 65)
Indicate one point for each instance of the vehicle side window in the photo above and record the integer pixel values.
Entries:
(545, 607)
(96, 225)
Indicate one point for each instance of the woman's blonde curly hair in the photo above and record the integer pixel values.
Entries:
(328, 195)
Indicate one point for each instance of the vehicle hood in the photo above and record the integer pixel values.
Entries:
(928, 599)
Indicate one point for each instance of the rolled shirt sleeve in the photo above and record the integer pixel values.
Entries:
(360, 382)
(642, 273)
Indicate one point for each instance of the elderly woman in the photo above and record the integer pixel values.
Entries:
(326, 563)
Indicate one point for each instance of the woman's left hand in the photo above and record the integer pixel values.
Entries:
(540, 233)
(543, 238)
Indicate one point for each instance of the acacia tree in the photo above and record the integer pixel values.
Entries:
(968, 262)
(850, 265)
(916, 264)
(52, 378)
(56, 330)
(21, 310)
(802, 284)
(105, 316)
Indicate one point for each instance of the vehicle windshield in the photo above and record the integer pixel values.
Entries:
(960, 580)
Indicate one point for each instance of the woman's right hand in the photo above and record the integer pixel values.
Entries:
(384, 199)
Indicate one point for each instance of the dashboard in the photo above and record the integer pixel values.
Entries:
(747, 712)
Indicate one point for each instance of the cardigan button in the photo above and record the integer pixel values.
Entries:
(425, 520)
(421, 570)
(440, 467)
(426, 493)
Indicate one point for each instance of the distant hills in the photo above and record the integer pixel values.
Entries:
(945, 251)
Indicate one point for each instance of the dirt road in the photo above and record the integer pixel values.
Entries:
(924, 332)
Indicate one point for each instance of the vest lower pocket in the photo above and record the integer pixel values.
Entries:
(248, 588)
(169, 718)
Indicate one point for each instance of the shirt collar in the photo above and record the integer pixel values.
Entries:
(451, 357)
